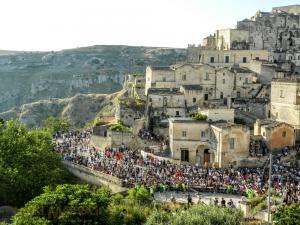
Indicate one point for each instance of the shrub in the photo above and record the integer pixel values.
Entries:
(198, 116)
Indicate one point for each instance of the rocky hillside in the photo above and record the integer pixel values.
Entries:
(79, 109)
(38, 77)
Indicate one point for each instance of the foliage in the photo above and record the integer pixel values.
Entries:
(132, 103)
(2, 121)
(55, 124)
(198, 116)
(135, 212)
(120, 128)
(141, 195)
(27, 163)
(158, 217)
(198, 215)
(67, 204)
(288, 215)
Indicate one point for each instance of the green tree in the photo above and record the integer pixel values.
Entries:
(55, 124)
(27, 163)
(288, 215)
(2, 121)
(67, 204)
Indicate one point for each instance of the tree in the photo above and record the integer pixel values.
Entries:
(55, 124)
(288, 215)
(67, 204)
(2, 121)
(27, 163)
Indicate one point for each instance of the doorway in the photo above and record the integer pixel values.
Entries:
(184, 155)
(206, 156)
(205, 97)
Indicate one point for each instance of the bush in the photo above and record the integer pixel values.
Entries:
(288, 215)
(120, 128)
(198, 215)
(66, 204)
(198, 116)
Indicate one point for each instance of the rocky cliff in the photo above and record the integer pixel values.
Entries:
(79, 109)
(39, 77)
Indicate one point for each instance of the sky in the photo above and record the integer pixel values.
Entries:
(42, 25)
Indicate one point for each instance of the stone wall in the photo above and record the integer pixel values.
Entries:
(95, 177)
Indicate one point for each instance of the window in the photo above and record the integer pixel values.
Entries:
(246, 80)
(165, 99)
(206, 76)
(284, 134)
(244, 59)
(212, 59)
(184, 154)
(183, 133)
(183, 77)
(177, 113)
(221, 95)
(164, 79)
(231, 143)
(223, 81)
(226, 59)
(281, 93)
(194, 100)
(256, 58)
(150, 99)
(202, 134)
(264, 134)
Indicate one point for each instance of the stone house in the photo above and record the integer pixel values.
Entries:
(230, 143)
(193, 94)
(163, 103)
(276, 135)
(206, 143)
(159, 77)
(285, 102)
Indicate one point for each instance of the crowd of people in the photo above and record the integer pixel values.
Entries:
(160, 175)
(148, 135)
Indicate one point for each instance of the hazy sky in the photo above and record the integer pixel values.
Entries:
(60, 24)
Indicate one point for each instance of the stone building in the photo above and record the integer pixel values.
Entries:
(159, 77)
(276, 135)
(230, 39)
(193, 94)
(285, 102)
(208, 144)
(163, 103)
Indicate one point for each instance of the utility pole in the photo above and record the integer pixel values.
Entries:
(269, 191)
